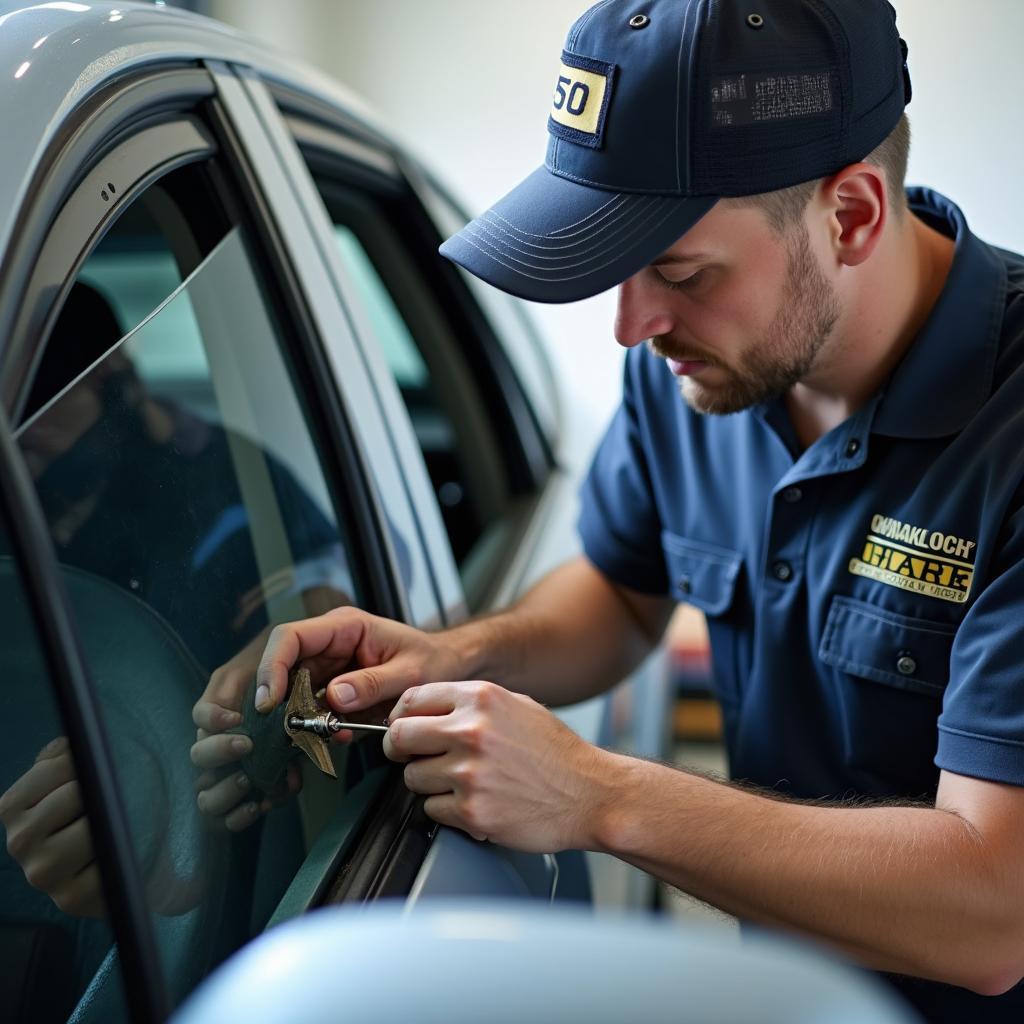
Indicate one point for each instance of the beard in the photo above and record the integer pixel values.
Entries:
(807, 313)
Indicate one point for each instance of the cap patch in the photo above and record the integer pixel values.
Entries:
(754, 99)
(580, 103)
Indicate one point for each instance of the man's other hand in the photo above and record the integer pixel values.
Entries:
(498, 765)
(230, 796)
(48, 834)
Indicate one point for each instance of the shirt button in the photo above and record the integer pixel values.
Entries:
(791, 495)
(782, 571)
(852, 447)
(685, 585)
(905, 664)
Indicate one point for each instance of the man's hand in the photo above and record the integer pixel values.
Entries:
(48, 834)
(230, 796)
(363, 659)
(498, 765)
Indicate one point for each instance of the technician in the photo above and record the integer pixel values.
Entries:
(838, 486)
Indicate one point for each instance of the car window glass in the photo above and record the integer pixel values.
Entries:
(180, 480)
(398, 344)
(51, 947)
(523, 344)
(450, 417)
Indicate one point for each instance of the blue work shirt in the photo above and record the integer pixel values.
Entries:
(864, 596)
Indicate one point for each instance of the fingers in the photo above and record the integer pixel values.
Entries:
(58, 809)
(431, 775)
(82, 896)
(336, 635)
(60, 857)
(214, 718)
(245, 815)
(416, 737)
(430, 699)
(224, 748)
(448, 809)
(40, 780)
(223, 796)
(55, 748)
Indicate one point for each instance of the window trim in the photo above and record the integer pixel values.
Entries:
(147, 156)
(91, 131)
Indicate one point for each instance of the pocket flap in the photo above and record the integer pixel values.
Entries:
(900, 651)
(701, 574)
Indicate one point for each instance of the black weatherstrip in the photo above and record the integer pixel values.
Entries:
(122, 883)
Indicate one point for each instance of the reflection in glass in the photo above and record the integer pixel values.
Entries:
(186, 502)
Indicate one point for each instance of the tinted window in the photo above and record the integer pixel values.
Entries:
(178, 473)
(454, 422)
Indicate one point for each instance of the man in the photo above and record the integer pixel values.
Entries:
(853, 531)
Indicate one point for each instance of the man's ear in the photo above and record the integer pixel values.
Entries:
(858, 207)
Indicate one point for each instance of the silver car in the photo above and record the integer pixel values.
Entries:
(238, 388)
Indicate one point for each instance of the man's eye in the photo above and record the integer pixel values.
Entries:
(687, 284)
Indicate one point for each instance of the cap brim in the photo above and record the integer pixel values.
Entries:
(555, 240)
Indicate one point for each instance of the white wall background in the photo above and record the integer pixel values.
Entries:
(468, 83)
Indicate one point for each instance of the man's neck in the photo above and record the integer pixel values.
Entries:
(894, 297)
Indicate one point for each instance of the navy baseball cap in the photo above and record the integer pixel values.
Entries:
(662, 107)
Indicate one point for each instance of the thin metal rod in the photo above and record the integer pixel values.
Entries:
(365, 728)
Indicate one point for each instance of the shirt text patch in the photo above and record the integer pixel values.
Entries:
(915, 558)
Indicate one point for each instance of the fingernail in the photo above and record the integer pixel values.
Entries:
(241, 745)
(242, 780)
(263, 698)
(230, 719)
(344, 694)
(321, 693)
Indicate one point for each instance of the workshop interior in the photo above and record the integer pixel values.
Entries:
(242, 389)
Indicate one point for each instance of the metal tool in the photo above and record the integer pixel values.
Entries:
(309, 725)
(327, 723)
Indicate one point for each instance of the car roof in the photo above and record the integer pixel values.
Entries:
(55, 56)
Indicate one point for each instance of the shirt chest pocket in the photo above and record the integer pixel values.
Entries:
(706, 576)
(891, 673)
(700, 574)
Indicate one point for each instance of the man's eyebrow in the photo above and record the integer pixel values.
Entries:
(694, 257)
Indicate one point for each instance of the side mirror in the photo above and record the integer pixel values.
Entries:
(462, 963)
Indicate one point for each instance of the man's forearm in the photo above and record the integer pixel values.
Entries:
(570, 637)
(910, 890)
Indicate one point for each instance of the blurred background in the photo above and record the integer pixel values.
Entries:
(467, 85)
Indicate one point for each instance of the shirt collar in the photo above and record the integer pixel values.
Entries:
(946, 375)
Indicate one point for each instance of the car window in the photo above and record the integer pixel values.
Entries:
(177, 468)
(453, 419)
(521, 340)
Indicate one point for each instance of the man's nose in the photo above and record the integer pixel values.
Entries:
(641, 312)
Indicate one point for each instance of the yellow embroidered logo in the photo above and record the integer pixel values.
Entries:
(915, 558)
(579, 99)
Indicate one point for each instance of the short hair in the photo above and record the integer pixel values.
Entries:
(786, 207)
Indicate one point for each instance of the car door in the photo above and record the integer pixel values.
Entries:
(191, 467)
(196, 453)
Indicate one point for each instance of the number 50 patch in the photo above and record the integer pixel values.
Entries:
(580, 103)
